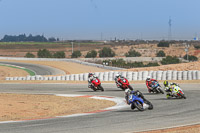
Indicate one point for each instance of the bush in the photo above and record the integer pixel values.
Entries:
(163, 44)
(170, 60)
(132, 53)
(59, 54)
(197, 46)
(29, 55)
(123, 63)
(160, 54)
(44, 53)
(191, 58)
(106, 52)
(91, 54)
(76, 54)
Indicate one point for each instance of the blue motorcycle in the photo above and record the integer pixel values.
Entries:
(138, 100)
(156, 88)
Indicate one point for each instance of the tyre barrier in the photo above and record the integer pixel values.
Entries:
(109, 76)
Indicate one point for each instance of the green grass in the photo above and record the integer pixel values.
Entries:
(31, 73)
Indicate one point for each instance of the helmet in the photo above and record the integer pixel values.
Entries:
(90, 74)
(165, 83)
(148, 78)
(127, 91)
(94, 76)
(117, 75)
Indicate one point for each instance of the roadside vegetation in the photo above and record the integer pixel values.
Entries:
(123, 64)
(132, 53)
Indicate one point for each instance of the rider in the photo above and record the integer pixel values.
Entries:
(149, 82)
(91, 77)
(169, 87)
(117, 80)
(128, 92)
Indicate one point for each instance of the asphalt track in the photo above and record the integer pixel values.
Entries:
(166, 112)
(38, 69)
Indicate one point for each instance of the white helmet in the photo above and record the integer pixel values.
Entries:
(127, 91)
(117, 75)
(148, 78)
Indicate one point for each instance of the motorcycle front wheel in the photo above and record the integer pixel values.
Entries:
(149, 103)
(138, 105)
(100, 88)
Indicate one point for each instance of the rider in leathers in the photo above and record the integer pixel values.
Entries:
(91, 76)
(149, 82)
(169, 87)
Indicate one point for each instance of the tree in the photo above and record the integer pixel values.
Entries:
(44, 53)
(170, 60)
(59, 54)
(76, 54)
(29, 55)
(161, 53)
(132, 53)
(91, 54)
(191, 58)
(106, 52)
(163, 44)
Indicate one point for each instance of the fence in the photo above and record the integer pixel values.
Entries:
(109, 76)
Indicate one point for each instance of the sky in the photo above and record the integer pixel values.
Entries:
(101, 19)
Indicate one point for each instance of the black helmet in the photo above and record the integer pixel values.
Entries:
(90, 74)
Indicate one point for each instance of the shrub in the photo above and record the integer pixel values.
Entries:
(191, 58)
(161, 53)
(91, 54)
(106, 52)
(59, 54)
(76, 54)
(170, 60)
(163, 44)
(29, 55)
(132, 53)
(44, 53)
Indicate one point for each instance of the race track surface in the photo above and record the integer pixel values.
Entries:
(38, 69)
(166, 112)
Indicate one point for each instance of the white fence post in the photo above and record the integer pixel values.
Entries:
(140, 75)
(130, 76)
(169, 75)
(180, 75)
(174, 75)
(135, 75)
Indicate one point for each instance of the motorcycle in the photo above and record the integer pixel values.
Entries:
(125, 84)
(156, 88)
(138, 100)
(96, 85)
(177, 92)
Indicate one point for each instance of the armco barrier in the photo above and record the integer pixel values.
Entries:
(185, 75)
(109, 76)
(198, 74)
(179, 75)
(159, 75)
(144, 75)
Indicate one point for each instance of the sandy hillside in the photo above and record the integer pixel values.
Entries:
(23, 106)
(11, 72)
(68, 67)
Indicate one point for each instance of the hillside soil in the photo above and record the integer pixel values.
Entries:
(11, 72)
(27, 107)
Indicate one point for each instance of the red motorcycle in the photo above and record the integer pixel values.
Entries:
(125, 84)
(96, 85)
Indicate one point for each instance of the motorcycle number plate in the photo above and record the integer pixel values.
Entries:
(124, 80)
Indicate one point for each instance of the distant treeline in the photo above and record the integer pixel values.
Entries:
(30, 38)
